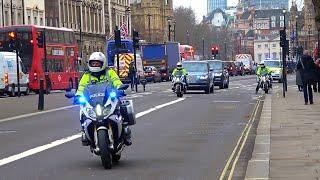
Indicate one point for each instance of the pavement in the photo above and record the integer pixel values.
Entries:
(193, 137)
(287, 140)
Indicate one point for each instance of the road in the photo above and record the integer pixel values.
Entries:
(191, 138)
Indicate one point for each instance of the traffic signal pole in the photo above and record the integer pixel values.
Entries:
(18, 68)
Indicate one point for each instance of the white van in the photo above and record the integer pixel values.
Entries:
(8, 75)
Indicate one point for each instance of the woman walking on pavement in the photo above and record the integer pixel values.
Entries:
(307, 67)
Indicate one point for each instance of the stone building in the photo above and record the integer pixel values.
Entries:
(68, 13)
(151, 18)
(22, 12)
(117, 13)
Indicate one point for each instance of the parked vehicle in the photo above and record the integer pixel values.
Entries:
(111, 52)
(162, 56)
(152, 74)
(231, 67)
(105, 118)
(8, 75)
(199, 76)
(60, 70)
(240, 68)
(276, 68)
(124, 62)
(247, 61)
(220, 74)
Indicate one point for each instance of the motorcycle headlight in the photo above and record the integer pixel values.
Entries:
(204, 77)
(91, 113)
(107, 110)
(98, 110)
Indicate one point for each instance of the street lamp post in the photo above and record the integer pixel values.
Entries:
(174, 31)
(11, 11)
(2, 8)
(309, 34)
(203, 48)
(80, 26)
(188, 35)
(149, 24)
(169, 30)
(127, 12)
(284, 75)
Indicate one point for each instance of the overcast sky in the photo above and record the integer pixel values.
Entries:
(200, 6)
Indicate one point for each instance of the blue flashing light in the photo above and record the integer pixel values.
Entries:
(82, 100)
(113, 94)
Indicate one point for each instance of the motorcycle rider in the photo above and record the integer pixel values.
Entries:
(180, 69)
(262, 69)
(99, 72)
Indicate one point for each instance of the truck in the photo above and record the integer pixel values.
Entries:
(247, 61)
(163, 56)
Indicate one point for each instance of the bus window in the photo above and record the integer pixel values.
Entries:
(55, 37)
(48, 35)
(67, 37)
(72, 38)
(61, 38)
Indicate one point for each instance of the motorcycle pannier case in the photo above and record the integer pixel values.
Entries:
(127, 112)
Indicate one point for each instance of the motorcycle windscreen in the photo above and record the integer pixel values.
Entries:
(97, 93)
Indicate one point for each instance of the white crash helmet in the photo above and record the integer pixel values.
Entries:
(97, 56)
(261, 63)
(179, 64)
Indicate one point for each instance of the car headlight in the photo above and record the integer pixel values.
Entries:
(217, 74)
(204, 77)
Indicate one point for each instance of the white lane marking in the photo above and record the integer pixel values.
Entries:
(226, 101)
(36, 113)
(73, 137)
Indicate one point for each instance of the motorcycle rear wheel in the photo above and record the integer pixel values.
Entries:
(105, 154)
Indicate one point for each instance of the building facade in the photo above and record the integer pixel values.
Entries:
(69, 13)
(267, 47)
(152, 18)
(215, 4)
(119, 15)
(22, 12)
(266, 4)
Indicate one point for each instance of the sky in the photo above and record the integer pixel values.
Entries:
(200, 6)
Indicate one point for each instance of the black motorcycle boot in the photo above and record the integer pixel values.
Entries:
(84, 139)
(127, 136)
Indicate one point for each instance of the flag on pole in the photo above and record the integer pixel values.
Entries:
(124, 30)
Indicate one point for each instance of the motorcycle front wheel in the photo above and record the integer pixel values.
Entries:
(178, 90)
(105, 154)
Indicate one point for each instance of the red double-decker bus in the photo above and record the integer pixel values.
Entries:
(186, 52)
(60, 70)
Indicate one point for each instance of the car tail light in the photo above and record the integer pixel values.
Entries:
(35, 76)
(6, 79)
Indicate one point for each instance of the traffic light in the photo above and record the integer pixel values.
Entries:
(214, 50)
(283, 38)
(40, 39)
(12, 40)
(117, 38)
(135, 39)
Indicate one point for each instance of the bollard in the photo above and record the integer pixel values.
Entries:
(41, 96)
(136, 83)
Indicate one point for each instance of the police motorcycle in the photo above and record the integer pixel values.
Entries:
(105, 119)
(179, 84)
(264, 82)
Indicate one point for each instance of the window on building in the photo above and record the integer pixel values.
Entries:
(266, 55)
(281, 18)
(35, 20)
(41, 21)
(266, 45)
(274, 45)
(273, 18)
(260, 57)
(274, 55)
(29, 19)
(273, 24)
(281, 24)
(259, 46)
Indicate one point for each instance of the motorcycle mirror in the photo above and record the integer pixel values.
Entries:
(124, 87)
(70, 94)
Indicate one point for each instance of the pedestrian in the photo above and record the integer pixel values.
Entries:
(316, 85)
(299, 80)
(132, 75)
(306, 66)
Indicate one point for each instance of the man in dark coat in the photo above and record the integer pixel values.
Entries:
(132, 75)
(307, 67)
